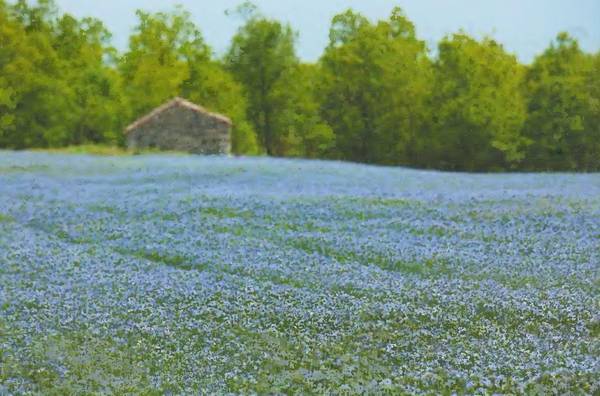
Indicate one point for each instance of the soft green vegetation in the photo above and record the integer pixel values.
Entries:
(101, 149)
(479, 110)
(91, 149)
(376, 80)
(376, 95)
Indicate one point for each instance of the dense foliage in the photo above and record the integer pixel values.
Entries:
(177, 275)
(376, 95)
(376, 79)
(479, 112)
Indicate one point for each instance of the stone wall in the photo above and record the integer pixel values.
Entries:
(182, 129)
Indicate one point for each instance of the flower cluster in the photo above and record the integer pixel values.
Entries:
(186, 275)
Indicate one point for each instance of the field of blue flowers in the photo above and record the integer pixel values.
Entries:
(166, 274)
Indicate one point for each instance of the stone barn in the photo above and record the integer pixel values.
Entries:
(180, 125)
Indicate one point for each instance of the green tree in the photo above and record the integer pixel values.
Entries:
(96, 102)
(300, 129)
(168, 57)
(375, 82)
(261, 56)
(562, 99)
(34, 93)
(10, 64)
(209, 83)
(156, 64)
(56, 87)
(590, 160)
(477, 107)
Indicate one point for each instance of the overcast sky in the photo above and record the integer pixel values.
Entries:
(525, 27)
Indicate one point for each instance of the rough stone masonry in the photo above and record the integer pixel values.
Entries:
(180, 125)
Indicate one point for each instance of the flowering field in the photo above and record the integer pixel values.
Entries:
(186, 275)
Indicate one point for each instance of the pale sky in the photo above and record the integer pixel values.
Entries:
(525, 27)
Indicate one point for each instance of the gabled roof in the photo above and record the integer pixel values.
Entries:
(177, 102)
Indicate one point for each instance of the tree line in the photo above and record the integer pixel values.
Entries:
(376, 95)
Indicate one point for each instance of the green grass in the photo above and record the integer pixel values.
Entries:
(94, 366)
(4, 218)
(91, 149)
(22, 169)
(101, 150)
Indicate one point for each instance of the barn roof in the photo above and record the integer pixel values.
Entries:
(176, 102)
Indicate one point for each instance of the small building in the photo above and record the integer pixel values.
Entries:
(180, 125)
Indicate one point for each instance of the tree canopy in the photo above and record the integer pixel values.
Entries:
(561, 89)
(375, 80)
(479, 111)
(376, 95)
